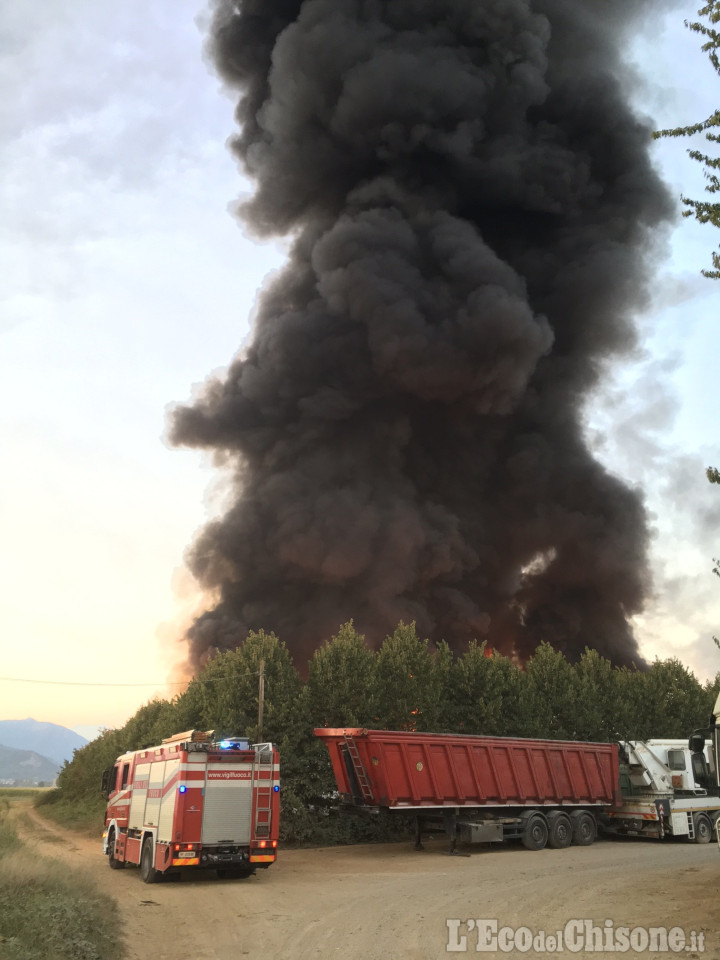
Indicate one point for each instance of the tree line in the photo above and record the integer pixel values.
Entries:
(408, 684)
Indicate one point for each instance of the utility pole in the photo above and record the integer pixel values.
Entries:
(261, 700)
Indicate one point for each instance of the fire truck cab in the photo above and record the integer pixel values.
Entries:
(193, 803)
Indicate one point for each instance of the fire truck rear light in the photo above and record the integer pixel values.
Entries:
(262, 844)
(274, 843)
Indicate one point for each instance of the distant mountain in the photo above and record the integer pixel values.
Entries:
(50, 740)
(25, 767)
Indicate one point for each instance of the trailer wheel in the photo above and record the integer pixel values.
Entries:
(148, 873)
(584, 828)
(703, 828)
(535, 832)
(114, 864)
(559, 830)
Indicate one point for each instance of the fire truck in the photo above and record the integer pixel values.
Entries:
(193, 803)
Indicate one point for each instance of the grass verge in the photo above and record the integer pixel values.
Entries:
(48, 911)
(86, 815)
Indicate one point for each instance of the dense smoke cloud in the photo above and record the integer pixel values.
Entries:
(472, 210)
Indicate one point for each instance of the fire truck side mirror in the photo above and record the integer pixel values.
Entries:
(696, 743)
(105, 783)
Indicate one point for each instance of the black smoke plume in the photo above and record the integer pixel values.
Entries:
(472, 211)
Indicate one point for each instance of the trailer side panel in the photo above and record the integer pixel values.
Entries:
(411, 770)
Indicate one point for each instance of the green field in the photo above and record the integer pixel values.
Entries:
(15, 793)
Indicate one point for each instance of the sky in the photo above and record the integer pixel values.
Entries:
(127, 281)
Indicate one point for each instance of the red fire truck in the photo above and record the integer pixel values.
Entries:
(193, 802)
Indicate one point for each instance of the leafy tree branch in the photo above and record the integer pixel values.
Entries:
(704, 211)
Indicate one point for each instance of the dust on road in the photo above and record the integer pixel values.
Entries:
(389, 902)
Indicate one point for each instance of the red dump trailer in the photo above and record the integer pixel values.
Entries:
(479, 788)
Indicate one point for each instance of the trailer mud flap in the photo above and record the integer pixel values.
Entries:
(663, 813)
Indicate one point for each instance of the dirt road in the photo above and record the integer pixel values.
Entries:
(390, 903)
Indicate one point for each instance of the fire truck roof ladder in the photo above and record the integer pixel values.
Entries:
(192, 736)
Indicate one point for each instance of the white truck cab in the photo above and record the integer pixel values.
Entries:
(669, 789)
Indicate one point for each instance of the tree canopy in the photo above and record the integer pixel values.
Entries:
(409, 685)
(703, 210)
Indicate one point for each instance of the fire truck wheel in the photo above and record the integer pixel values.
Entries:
(584, 828)
(559, 830)
(114, 864)
(148, 873)
(535, 833)
(703, 828)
